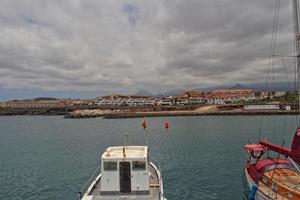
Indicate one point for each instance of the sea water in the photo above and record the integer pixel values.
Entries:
(200, 157)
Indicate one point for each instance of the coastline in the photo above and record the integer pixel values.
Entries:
(192, 113)
(34, 111)
(210, 110)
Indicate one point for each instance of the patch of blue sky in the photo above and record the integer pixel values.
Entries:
(31, 21)
(132, 12)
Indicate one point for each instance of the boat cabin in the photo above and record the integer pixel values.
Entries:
(125, 170)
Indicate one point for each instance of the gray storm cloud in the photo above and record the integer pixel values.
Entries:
(130, 45)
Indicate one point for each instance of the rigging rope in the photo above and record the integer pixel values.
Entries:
(290, 88)
(271, 59)
(295, 70)
(286, 74)
(277, 159)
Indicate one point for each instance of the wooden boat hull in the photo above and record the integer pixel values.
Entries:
(282, 184)
(259, 195)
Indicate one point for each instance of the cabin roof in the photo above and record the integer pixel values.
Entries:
(256, 147)
(118, 152)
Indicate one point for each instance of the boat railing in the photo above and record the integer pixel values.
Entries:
(153, 160)
(85, 187)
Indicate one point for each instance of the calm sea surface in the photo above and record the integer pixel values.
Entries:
(200, 157)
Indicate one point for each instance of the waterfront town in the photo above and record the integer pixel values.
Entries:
(182, 104)
(217, 97)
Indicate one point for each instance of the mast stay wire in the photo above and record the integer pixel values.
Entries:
(271, 58)
(273, 61)
(290, 88)
(296, 81)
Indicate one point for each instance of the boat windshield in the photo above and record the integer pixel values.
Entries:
(138, 165)
(110, 165)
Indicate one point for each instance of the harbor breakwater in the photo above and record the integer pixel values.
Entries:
(206, 110)
(144, 112)
(34, 111)
(191, 113)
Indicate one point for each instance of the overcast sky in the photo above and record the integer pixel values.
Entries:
(106, 46)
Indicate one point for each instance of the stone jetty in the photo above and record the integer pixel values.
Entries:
(202, 111)
(90, 113)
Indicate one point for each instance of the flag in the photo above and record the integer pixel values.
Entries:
(144, 124)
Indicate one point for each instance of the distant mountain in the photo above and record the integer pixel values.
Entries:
(208, 89)
(45, 99)
(143, 93)
(238, 86)
(173, 92)
(279, 86)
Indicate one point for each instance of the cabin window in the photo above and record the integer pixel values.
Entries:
(110, 165)
(138, 165)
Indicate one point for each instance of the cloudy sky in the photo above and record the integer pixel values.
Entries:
(94, 47)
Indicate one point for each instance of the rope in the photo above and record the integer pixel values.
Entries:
(290, 89)
(295, 71)
(277, 161)
(286, 74)
(271, 60)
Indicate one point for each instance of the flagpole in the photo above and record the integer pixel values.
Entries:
(147, 138)
(147, 142)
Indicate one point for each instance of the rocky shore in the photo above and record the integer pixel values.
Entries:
(34, 111)
(202, 111)
(90, 113)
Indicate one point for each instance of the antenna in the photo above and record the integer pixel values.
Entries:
(147, 139)
(127, 140)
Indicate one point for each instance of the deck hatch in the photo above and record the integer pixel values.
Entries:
(125, 177)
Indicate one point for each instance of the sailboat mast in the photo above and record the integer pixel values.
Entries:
(297, 44)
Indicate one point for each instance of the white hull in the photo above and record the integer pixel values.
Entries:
(259, 194)
(158, 196)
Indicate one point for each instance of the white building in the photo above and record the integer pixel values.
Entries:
(261, 107)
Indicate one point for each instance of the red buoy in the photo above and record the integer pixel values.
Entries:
(167, 125)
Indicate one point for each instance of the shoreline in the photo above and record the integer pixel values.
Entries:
(192, 113)
(211, 110)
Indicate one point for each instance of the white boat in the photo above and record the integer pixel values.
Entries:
(127, 173)
(276, 177)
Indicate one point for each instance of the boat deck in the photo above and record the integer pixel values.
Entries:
(285, 177)
(281, 184)
(154, 190)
